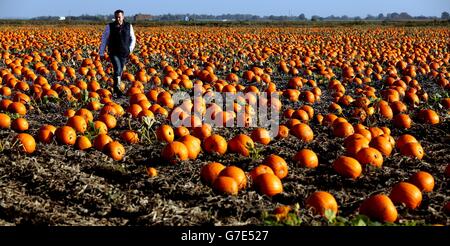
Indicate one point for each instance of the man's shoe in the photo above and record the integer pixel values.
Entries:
(118, 92)
(117, 83)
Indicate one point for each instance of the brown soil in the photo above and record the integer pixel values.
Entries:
(58, 185)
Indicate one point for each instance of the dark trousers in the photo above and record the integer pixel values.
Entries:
(118, 65)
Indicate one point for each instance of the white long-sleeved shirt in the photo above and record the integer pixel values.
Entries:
(105, 38)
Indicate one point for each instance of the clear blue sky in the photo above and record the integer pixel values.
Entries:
(33, 8)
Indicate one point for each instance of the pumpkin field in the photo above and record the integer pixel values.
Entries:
(362, 135)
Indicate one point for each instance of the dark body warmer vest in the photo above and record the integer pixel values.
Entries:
(119, 39)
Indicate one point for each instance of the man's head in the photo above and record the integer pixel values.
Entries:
(118, 15)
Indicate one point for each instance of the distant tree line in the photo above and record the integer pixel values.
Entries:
(248, 17)
(77, 18)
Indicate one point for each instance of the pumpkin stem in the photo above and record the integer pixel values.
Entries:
(14, 144)
(146, 129)
(129, 123)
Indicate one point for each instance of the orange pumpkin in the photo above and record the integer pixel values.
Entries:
(85, 113)
(115, 150)
(192, 144)
(261, 135)
(404, 139)
(46, 133)
(379, 207)
(5, 121)
(226, 185)
(423, 180)
(130, 136)
(78, 123)
(320, 201)
(241, 144)
(210, 172)
(363, 131)
(429, 116)
(152, 172)
(281, 212)
(83, 143)
(268, 184)
(306, 158)
(181, 131)
(283, 132)
(17, 107)
(202, 132)
(27, 142)
(347, 167)
(165, 133)
(342, 129)
(69, 112)
(237, 174)
(101, 140)
(402, 121)
(303, 132)
(355, 143)
(277, 164)
(216, 144)
(109, 120)
(376, 131)
(66, 135)
(175, 152)
(20, 124)
(260, 169)
(370, 156)
(382, 144)
(413, 150)
(407, 194)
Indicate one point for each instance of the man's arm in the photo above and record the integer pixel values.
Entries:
(105, 38)
(133, 39)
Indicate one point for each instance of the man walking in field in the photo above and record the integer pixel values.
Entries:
(120, 38)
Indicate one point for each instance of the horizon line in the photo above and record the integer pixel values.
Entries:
(187, 14)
